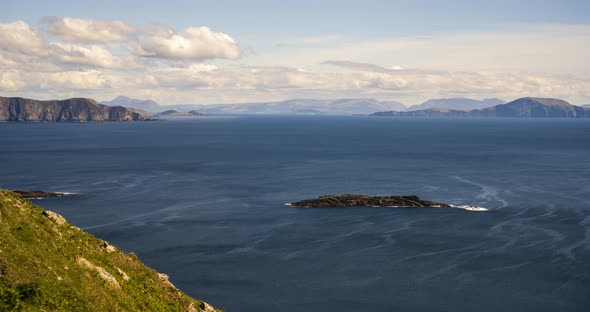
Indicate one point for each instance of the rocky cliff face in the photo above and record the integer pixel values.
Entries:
(74, 110)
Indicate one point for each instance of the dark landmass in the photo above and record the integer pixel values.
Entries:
(350, 200)
(196, 113)
(173, 112)
(47, 264)
(36, 194)
(456, 103)
(523, 107)
(72, 110)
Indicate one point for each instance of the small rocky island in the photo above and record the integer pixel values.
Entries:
(351, 200)
(37, 194)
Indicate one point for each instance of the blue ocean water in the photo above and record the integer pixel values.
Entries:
(203, 201)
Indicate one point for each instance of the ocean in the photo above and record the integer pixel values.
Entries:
(203, 200)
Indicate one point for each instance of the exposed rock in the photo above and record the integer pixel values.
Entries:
(165, 279)
(349, 200)
(203, 307)
(73, 110)
(36, 194)
(57, 218)
(108, 248)
(123, 274)
(106, 276)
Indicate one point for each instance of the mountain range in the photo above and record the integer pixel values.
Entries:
(296, 106)
(524, 107)
(307, 106)
(457, 103)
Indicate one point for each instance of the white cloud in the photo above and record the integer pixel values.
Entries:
(194, 44)
(525, 62)
(89, 31)
(93, 56)
(19, 37)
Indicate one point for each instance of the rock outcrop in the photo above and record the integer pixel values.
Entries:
(72, 110)
(350, 200)
(36, 194)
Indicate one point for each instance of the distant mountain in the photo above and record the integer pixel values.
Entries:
(523, 107)
(74, 110)
(173, 112)
(585, 105)
(146, 105)
(288, 107)
(306, 106)
(457, 103)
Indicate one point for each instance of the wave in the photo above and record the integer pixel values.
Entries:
(488, 192)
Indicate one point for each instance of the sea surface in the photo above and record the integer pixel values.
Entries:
(203, 200)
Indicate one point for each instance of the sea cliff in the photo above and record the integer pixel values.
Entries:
(72, 110)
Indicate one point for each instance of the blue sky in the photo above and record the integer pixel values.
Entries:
(302, 48)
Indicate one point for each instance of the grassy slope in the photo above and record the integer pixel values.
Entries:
(41, 268)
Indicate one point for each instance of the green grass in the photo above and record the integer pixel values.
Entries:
(40, 268)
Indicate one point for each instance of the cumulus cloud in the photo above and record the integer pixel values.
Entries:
(78, 61)
(19, 37)
(93, 56)
(194, 44)
(88, 30)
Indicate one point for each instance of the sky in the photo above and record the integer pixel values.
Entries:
(209, 52)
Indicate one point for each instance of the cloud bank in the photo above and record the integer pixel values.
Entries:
(103, 59)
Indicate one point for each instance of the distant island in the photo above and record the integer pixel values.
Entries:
(173, 112)
(524, 107)
(351, 200)
(70, 110)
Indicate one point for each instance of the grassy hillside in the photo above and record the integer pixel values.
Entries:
(47, 264)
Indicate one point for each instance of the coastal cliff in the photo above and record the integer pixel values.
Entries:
(47, 264)
(73, 110)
